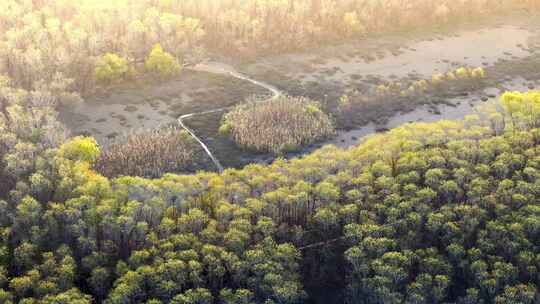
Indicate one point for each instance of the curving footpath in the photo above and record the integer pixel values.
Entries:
(217, 68)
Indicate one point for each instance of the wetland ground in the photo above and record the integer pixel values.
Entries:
(508, 48)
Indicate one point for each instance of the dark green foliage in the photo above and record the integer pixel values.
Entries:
(427, 213)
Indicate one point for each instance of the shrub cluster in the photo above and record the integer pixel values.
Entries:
(357, 108)
(162, 63)
(150, 154)
(279, 125)
(462, 75)
(111, 68)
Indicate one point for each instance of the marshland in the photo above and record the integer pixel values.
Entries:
(269, 151)
(504, 47)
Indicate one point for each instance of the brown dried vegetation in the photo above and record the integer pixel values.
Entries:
(150, 154)
(280, 125)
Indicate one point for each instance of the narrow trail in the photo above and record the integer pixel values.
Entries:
(217, 68)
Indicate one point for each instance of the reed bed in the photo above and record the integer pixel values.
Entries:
(281, 125)
(150, 153)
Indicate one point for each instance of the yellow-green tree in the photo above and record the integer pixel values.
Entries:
(81, 149)
(353, 25)
(111, 68)
(162, 63)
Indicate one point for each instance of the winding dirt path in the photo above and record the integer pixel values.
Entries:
(426, 57)
(218, 68)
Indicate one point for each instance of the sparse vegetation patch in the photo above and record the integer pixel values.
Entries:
(403, 95)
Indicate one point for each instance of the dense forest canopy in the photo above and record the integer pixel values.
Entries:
(428, 213)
